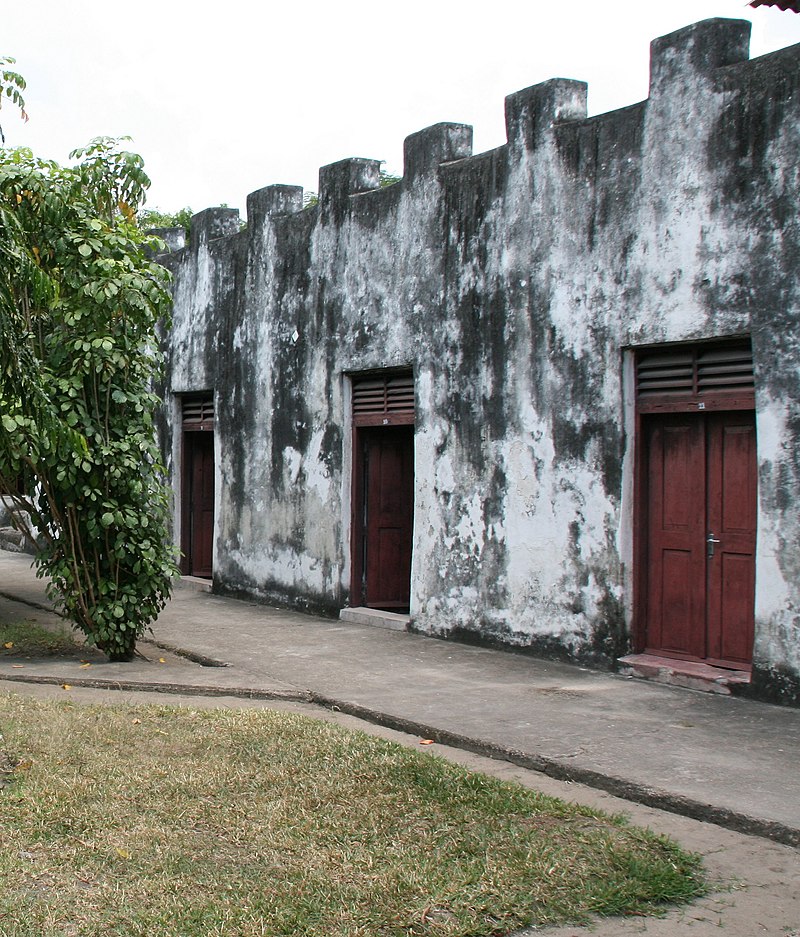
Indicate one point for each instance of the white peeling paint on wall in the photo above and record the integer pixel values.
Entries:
(280, 567)
(777, 587)
(193, 307)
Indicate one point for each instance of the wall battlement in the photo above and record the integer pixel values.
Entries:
(687, 63)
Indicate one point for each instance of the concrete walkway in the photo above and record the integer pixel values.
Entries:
(723, 759)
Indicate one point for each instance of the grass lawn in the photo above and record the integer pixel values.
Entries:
(158, 820)
(27, 639)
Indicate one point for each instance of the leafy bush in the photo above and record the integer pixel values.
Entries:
(79, 303)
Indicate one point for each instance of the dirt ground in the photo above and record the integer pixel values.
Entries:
(756, 883)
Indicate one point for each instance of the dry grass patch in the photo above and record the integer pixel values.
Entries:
(162, 821)
(28, 639)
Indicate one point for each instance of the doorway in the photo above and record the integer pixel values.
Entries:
(383, 491)
(701, 535)
(197, 488)
(696, 505)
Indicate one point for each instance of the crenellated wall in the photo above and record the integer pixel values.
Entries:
(516, 284)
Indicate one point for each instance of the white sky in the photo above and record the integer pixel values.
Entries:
(226, 98)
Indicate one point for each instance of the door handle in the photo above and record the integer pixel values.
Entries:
(710, 541)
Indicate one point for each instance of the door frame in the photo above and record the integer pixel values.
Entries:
(197, 416)
(360, 506)
(395, 410)
(692, 401)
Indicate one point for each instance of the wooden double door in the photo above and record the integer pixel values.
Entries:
(699, 533)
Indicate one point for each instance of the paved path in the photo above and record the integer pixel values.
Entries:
(728, 760)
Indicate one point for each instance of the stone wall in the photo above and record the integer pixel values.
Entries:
(516, 284)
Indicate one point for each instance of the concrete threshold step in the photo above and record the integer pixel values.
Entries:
(194, 582)
(693, 675)
(376, 617)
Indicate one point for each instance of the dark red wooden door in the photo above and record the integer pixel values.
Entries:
(701, 485)
(388, 492)
(199, 539)
(676, 542)
(731, 518)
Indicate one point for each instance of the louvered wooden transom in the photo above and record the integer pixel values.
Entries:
(198, 412)
(695, 374)
(383, 399)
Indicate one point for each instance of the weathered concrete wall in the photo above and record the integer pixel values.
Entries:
(512, 282)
